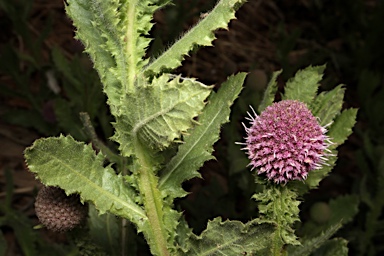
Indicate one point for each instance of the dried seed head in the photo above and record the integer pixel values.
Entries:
(57, 211)
(286, 142)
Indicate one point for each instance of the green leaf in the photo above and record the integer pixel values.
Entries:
(115, 36)
(270, 92)
(197, 147)
(95, 21)
(74, 166)
(342, 126)
(159, 113)
(200, 35)
(303, 86)
(328, 104)
(232, 238)
(309, 245)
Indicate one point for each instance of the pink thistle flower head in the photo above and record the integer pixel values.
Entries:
(286, 142)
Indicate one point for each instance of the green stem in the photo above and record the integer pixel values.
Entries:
(153, 203)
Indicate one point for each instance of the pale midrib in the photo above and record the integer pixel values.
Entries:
(108, 194)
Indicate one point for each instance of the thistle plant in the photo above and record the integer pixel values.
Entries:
(166, 126)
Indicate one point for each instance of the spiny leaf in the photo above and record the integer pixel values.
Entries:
(328, 104)
(158, 113)
(200, 35)
(198, 145)
(74, 166)
(342, 126)
(94, 21)
(303, 86)
(232, 238)
(310, 245)
(115, 36)
(270, 92)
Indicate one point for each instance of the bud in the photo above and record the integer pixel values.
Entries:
(57, 211)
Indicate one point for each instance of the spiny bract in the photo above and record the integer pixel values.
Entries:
(286, 142)
(57, 211)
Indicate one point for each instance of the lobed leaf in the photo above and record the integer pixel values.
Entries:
(327, 105)
(159, 113)
(303, 86)
(342, 126)
(74, 166)
(200, 35)
(270, 92)
(197, 147)
(232, 238)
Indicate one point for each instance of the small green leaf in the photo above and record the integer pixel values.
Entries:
(342, 126)
(270, 92)
(200, 35)
(197, 147)
(303, 86)
(74, 166)
(232, 238)
(159, 113)
(328, 104)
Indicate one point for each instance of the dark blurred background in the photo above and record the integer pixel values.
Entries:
(46, 80)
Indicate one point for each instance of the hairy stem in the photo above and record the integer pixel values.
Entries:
(156, 235)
